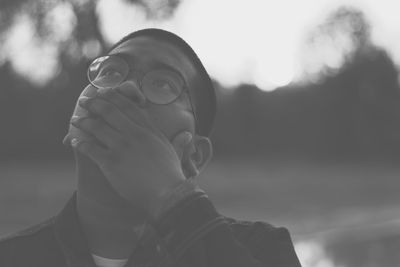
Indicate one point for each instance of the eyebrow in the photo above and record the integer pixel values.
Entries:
(154, 64)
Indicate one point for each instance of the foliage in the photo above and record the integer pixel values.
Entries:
(350, 111)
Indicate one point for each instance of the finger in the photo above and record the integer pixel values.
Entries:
(132, 101)
(91, 149)
(194, 171)
(180, 142)
(190, 169)
(99, 129)
(66, 141)
(131, 109)
(132, 91)
(111, 115)
(80, 135)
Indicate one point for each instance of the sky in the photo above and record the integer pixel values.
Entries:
(259, 42)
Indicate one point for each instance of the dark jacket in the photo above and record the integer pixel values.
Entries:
(193, 235)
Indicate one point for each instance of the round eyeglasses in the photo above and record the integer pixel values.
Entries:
(159, 86)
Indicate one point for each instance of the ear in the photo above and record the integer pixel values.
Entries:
(198, 158)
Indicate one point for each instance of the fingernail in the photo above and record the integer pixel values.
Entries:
(74, 119)
(74, 142)
(188, 137)
(83, 100)
(65, 141)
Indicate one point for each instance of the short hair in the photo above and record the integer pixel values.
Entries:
(204, 99)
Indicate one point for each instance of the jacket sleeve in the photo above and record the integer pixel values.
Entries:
(194, 222)
(6, 252)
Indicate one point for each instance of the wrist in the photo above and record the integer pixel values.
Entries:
(157, 199)
(171, 198)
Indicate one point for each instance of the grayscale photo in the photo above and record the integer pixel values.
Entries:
(199, 133)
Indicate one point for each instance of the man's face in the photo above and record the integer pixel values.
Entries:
(144, 54)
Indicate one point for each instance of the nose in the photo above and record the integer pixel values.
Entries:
(132, 90)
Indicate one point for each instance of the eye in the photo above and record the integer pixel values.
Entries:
(108, 73)
(164, 86)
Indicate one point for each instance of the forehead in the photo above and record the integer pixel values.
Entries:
(144, 51)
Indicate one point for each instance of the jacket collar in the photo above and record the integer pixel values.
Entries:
(71, 237)
(75, 248)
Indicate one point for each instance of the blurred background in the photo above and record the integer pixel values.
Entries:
(307, 133)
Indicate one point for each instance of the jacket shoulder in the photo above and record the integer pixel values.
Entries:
(256, 230)
(266, 242)
(242, 229)
(27, 233)
(26, 242)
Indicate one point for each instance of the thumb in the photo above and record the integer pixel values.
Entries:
(67, 140)
(180, 142)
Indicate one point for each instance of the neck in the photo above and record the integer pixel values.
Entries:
(106, 218)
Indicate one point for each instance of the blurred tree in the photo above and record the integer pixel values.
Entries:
(157, 9)
(37, 119)
(336, 41)
(83, 39)
(351, 109)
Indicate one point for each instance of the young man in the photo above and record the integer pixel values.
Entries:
(140, 136)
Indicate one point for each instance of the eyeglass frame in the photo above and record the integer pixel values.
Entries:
(143, 75)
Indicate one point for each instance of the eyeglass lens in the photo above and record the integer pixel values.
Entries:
(107, 72)
(159, 86)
